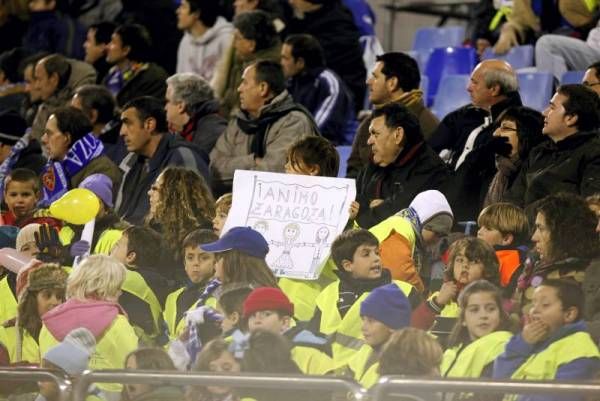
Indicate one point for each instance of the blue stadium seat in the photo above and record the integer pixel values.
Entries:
(572, 77)
(344, 152)
(517, 57)
(448, 60)
(451, 94)
(535, 89)
(431, 37)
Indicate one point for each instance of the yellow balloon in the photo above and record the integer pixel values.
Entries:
(78, 206)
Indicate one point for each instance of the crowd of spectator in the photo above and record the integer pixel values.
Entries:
(151, 107)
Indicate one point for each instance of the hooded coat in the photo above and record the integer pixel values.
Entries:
(201, 55)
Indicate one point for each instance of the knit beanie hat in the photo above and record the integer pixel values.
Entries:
(267, 298)
(73, 354)
(39, 276)
(389, 305)
(434, 212)
(8, 236)
(101, 185)
(26, 235)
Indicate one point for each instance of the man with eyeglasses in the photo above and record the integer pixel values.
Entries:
(591, 79)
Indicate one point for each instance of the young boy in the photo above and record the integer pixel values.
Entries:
(22, 191)
(505, 227)
(200, 268)
(269, 309)
(144, 289)
(383, 312)
(337, 314)
(222, 206)
(554, 343)
(230, 305)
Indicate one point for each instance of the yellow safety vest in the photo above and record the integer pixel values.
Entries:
(136, 285)
(470, 361)
(366, 376)
(30, 351)
(311, 361)
(345, 333)
(545, 364)
(451, 309)
(105, 244)
(170, 313)
(111, 349)
(8, 305)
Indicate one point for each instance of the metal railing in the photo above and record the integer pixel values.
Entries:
(417, 389)
(406, 385)
(280, 382)
(24, 375)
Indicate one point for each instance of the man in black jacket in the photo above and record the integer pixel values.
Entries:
(331, 23)
(402, 166)
(570, 161)
(152, 149)
(493, 88)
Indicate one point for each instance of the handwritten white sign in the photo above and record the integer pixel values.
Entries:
(298, 215)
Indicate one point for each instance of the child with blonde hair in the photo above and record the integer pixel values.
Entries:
(505, 227)
(93, 291)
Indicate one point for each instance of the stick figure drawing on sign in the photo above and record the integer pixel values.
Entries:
(321, 236)
(290, 234)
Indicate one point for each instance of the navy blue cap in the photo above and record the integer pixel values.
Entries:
(243, 239)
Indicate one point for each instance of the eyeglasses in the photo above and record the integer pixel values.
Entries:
(589, 85)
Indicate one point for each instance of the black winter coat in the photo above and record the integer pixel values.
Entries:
(415, 170)
(571, 165)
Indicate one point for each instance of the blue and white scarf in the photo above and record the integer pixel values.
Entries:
(193, 344)
(7, 165)
(55, 180)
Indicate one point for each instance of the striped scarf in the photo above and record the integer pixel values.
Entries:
(193, 344)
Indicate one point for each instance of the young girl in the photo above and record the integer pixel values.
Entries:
(480, 334)
(93, 290)
(215, 357)
(241, 256)
(470, 259)
(40, 288)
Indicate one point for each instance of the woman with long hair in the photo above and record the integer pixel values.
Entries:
(180, 202)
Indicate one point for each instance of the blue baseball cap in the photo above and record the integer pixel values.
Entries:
(243, 239)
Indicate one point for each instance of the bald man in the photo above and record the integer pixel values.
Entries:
(493, 88)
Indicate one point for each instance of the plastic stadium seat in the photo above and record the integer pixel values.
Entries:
(535, 89)
(572, 77)
(451, 94)
(344, 152)
(517, 57)
(448, 60)
(431, 37)
(421, 57)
